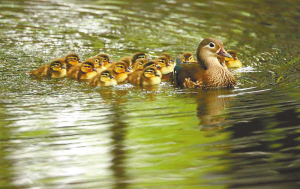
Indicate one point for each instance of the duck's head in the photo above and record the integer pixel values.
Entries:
(87, 66)
(208, 51)
(152, 64)
(107, 76)
(72, 59)
(187, 57)
(105, 59)
(151, 72)
(128, 62)
(120, 67)
(138, 55)
(97, 60)
(139, 64)
(166, 65)
(233, 53)
(166, 55)
(57, 65)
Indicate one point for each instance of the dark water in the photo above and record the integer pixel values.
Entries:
(64, 134)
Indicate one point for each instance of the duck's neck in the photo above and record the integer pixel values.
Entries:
(207, 61)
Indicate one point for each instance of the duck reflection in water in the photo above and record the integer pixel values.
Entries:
(211, 105)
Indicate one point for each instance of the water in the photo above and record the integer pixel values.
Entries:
(60, 133)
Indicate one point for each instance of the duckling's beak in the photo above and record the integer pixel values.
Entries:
(127, 70)
(79, 61)
(167, 64)
(63, 67)
(111, 76)
(157, 74)
(95, 69)
(222, 52)
(158, 67)
(100, 64)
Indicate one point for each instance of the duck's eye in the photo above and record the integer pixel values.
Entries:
(211, 44)
(191, 58)
(96, 60)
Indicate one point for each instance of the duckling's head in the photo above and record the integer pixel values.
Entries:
(166, 55)
(187, 57)
(139, 64)
(138, 55)
(72, 59)
(208, 51)
(105, 59)
(151, 72)
(120, 67)
(166, 65)
(87, 66)
(57, 65)
(151, 64)
(107, 76)
(98, 61)
(233, 53)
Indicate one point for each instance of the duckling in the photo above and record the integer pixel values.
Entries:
(71, 60)
(98, 63)
(86, 71)
(136, 56)
(208, 73)
(233, 62)
(166, 55)
(105, 60)
(120, 71)
(187, 57)
(139, 65)
(166, 65)
(149, 76)
(127, 60)
(56, 69)
(106, 78)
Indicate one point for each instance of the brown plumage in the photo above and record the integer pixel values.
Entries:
(98, 63)
(55, 69)
(106, 78)
(120, 71)
(149, 76)
(208, 73)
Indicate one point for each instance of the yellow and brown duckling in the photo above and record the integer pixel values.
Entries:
(120, 71)
(72, 59)
(105, 60)
(105, 78)
(56, 69)
(136, 56)
(187, 57)
(98, 63)
(234, 61)
(208, 73)
(166, 67)
(85, 71)
(149, 76)
(139, 65)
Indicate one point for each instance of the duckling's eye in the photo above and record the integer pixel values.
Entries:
(96, 60)
(211, 44)
(104, 58)
(105, 74)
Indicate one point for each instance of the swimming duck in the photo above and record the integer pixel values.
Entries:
(56, 69)
(71, 60)
(86, 71)
(105, 60)
(120, 71)
(98, 63)
(106, 78)
(233, 62)
(187, 57)
(136, 56)
(149, 76)
(208, 73)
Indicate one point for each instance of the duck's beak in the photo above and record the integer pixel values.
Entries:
(111, 77)
(222, 52)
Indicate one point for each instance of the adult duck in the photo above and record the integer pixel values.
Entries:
(208, 73)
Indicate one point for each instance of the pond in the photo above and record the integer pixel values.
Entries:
(61, 133)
